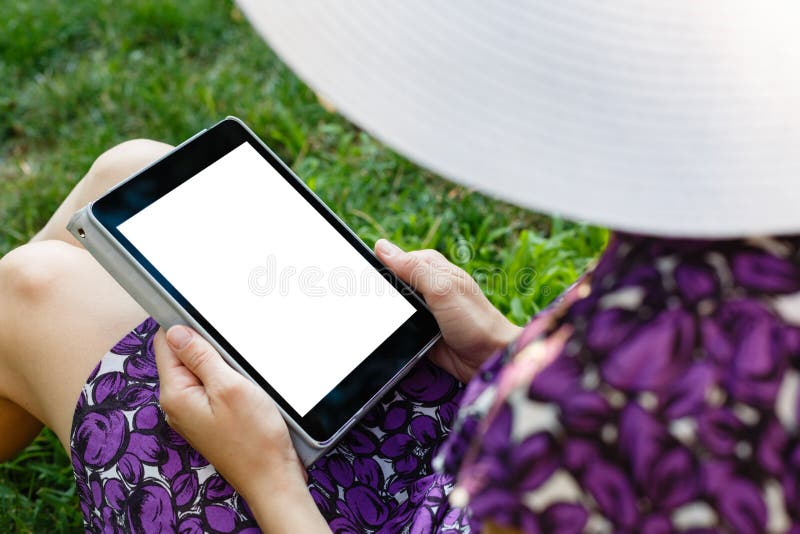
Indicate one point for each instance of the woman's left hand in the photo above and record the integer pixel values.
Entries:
(237, 427)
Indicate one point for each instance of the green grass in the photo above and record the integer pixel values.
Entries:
(78, 77)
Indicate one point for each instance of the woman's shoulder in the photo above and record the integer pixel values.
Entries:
(660, 391)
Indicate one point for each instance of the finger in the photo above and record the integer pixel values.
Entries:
(427, 271)
(199, 357)
(181, 392)
(172, 374)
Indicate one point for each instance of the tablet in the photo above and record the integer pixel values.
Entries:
(221, 235)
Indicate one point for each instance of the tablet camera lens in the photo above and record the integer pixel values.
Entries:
(81, 233)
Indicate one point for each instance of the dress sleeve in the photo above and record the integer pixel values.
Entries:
(504, 444)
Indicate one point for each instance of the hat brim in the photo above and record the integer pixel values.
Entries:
(676, 118)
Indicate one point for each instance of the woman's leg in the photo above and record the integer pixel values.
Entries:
(113, 166)
(60, 311)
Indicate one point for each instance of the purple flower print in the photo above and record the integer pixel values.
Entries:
(101, 438)
(447, 414)
(135, 341)
(612, 491)
(558, 381)
(105, 521)
(772, 446)
(361, 441)
(791, 480)
(323, 501)
(195, 458)
(509, 471)
(696, 282)
(220, 517)
(788, 344)
(742, 506)
(719, 430)
(116, 494)
(108, 386)
(130, 468)
(147, 448)
(661, 466)
(608, 328)
(374, 415)
(504, 508)
(136, 395)
(428, 489)
(173, 439)
(185, 488)
(150, 509)
(585, 412)
(402, 517)
(564, 518)
(171, 464)
(760, 271)
(138, 346)
(648, 278)
(90, 380)
(396, 417)
(671, 479)
(579, 453)
(686, 395)
(409, 451)
(216, 488)
(453, 450)
(657, 353)
(368, 472)
(143, 365)
(739, 501)
(741, 337)
(428, 385)
(529, 464)
(640, 438)
(341, 470)
(242, 505)
(362, 508)
(660, 524)
(190, 524)
(133, 496)
(147, 418)
(320, 476)
(77, 466)
(96, 490)
(84, 497)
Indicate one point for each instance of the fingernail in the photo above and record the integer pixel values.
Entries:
(178, 337)
(387, 248)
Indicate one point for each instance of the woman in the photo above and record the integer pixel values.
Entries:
(659, 394)
(60, 309)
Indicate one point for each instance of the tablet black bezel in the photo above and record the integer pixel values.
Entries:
(343, 402)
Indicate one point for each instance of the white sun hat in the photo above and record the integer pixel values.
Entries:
(667, 118)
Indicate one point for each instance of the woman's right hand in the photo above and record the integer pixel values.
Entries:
(472, 329)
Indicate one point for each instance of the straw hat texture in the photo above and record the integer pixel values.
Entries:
(666, 118)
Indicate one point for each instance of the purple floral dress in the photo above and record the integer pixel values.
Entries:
(135, 474)
(659, 394)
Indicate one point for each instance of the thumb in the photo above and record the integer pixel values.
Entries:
(197, 355)
(427, 271)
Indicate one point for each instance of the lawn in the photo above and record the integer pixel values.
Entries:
(78, 77)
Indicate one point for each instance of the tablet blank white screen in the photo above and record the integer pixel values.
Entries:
(300, 304)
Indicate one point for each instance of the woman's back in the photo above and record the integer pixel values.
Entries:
(670, 403)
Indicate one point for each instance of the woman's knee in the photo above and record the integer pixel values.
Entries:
(122, 160)
(30, 272)
(113, 166)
